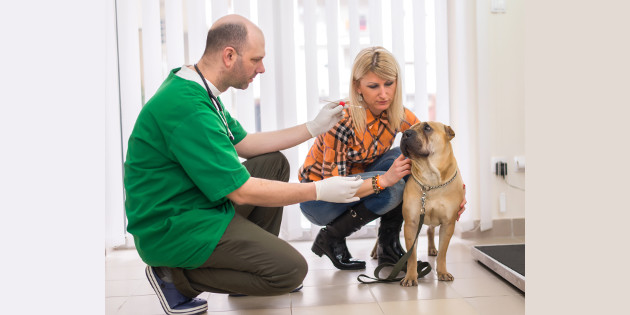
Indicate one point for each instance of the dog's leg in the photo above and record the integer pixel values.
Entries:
(374, 253)
(411, 227)
(431, 236)
(446, 232)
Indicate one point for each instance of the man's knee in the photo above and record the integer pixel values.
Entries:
(282, 164)
(273, 166)
(296, 272)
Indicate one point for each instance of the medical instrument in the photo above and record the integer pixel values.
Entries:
(216, 103)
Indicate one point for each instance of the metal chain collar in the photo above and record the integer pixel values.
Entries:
(427, 188)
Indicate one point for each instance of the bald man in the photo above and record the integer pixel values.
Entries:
(201, 219)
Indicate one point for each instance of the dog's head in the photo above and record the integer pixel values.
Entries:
(425, 139)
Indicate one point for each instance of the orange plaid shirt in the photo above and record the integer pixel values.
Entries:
(341, 152)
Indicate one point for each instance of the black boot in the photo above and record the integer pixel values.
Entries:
(331, 240)
(389, 249)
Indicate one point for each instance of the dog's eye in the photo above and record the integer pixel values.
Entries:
(427, 128)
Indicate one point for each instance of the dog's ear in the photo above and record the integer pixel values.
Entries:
(450, 134)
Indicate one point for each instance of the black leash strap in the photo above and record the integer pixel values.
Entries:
(423, 267)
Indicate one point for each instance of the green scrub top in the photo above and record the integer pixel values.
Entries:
(180, 166)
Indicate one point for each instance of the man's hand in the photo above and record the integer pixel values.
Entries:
(338, 189)
(327, 117)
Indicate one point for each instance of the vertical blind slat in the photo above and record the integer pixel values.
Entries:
(375, 20)
(219, 9)
(268, 101)
(310, 55)
(151, 47)
(129, 67)
(354, 27)
(174, 22)
(332, 32)
(197, 29)
(398, 45)
(441, 46)
(244, 99)
(420, 56)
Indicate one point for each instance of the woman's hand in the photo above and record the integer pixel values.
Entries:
(399, 169)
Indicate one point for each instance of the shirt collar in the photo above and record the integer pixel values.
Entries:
(371, 120)
(192, 75)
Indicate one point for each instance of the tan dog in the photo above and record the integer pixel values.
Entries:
(434, 171)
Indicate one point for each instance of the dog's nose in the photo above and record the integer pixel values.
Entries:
(408, 133)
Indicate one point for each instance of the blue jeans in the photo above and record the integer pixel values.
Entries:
(323, 212)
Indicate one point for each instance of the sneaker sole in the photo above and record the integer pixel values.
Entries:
(156, 287)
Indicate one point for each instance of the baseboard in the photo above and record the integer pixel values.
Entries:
(500, 228)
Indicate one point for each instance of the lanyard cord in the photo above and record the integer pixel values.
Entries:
(216, 103)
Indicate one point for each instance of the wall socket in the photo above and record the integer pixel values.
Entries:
(494, 161)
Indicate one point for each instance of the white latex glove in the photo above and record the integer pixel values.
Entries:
(327, 117)
(338, 189)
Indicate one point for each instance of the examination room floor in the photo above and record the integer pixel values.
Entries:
(327, 290)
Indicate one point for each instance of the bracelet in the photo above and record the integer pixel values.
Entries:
(378, 182)
(375, 185)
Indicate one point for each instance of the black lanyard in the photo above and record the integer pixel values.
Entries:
(216, 103)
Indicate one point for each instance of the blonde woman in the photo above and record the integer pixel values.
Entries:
(360, 144)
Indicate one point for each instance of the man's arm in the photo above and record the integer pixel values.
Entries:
(263, 142)
(270, 193)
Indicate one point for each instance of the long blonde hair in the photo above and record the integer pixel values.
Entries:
(382, 63)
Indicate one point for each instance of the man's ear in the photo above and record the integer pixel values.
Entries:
(229, 56)
(450, 134)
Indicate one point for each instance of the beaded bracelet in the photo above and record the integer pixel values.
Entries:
(378, 182)
(375, 185)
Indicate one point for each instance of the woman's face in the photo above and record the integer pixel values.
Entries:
(377, 92)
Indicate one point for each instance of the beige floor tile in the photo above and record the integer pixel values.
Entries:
(332, 295)
(483, 286)
(429, 307)
(224, 302)
(128, 287)
(466, 270)
(347, 309)
(283, 311)
(141, 305)
(124, 272)
(499, 305)
(113, 304)
(325, 277)
(426, 289)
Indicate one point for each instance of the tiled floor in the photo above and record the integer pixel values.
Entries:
(475, 290)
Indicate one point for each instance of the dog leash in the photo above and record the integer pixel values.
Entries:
(423, 268)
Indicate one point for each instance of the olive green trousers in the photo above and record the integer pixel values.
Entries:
(250, 258)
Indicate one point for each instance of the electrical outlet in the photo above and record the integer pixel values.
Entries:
(494, 161)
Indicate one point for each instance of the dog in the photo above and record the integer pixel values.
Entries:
(434, 172)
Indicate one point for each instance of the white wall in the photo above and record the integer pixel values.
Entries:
(52, 161)
(501, 95)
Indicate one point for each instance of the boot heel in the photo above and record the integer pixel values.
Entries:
(317, 250)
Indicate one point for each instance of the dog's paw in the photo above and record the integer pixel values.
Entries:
(445, 276)
(409, 281)
(433, 252)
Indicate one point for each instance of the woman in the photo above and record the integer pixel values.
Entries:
(360, 145)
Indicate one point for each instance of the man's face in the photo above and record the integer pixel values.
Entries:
(249, 62)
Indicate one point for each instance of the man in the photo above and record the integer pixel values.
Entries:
(201, 220)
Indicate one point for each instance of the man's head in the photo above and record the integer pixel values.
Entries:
(236, 46)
